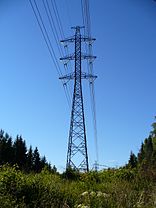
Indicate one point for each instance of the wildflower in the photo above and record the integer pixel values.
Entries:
(105, 195)
(65, 205)
(84, 193)
(92, 194)
(99, 194)
(82, 206)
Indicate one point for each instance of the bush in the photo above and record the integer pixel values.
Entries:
(109, 189)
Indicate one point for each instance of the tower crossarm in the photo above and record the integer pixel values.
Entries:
(87, 39)
(83, 76)
(72, 57)
(68, 40)
(83, 39)
(88, 76)
(68, 57)
(88, 56)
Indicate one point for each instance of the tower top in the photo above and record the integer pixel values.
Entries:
(78, 27)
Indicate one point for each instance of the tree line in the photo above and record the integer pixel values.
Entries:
(16, 153)
(145, 160)
(29, 160)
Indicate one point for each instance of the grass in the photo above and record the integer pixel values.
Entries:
(119, 188)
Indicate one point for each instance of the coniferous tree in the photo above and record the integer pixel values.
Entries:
(6, 151)
(153, 132)
(148, 149)
(146, 153)
(16, 153)
(43, 162)
(141, 154)
(153, 162)
(3, 150)
(20, 151)
(153, 135)
(1, 134)
(132, 163)
(54, 169)
(6, 136)
(36, 161)
(9, 151)
(29, 163)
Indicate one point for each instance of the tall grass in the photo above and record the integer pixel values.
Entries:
(109, 189)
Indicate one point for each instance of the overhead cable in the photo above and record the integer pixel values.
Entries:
(87, 32)
(47, 40)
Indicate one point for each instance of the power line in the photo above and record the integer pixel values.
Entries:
(59, 23)
(49, 41)
(55, 9)
(86, 16)
(52, 25)
(92, 92)
(66, 3)
(42, 32)
(87, 23)
(45, 35)
(60, 28)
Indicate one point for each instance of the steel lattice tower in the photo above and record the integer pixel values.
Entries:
(77, 156)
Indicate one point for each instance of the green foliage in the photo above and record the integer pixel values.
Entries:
(28, 190)
(108, 188)
(36, 161)
(133, 161)
(71, 174)
(147, 159)
(32, 183)
(153, 132)
(145, 162)
(125, 174)
(16, 153)
(20, 150)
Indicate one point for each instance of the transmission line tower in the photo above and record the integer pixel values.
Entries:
(77, 156)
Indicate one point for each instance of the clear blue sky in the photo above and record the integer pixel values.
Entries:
(32, 100)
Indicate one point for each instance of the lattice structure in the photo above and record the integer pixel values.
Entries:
(77, 156)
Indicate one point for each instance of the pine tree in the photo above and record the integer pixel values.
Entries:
(20, 151)
(132, 163)
(146, 153)
(43, 162)
(148, 149)
(9, 151)
(141, 154)
(16, 153)
(54, 169)
(153, 132)
(6, 150)
(36, 161)
(1, 134)
(29, 163)
(3, 150)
